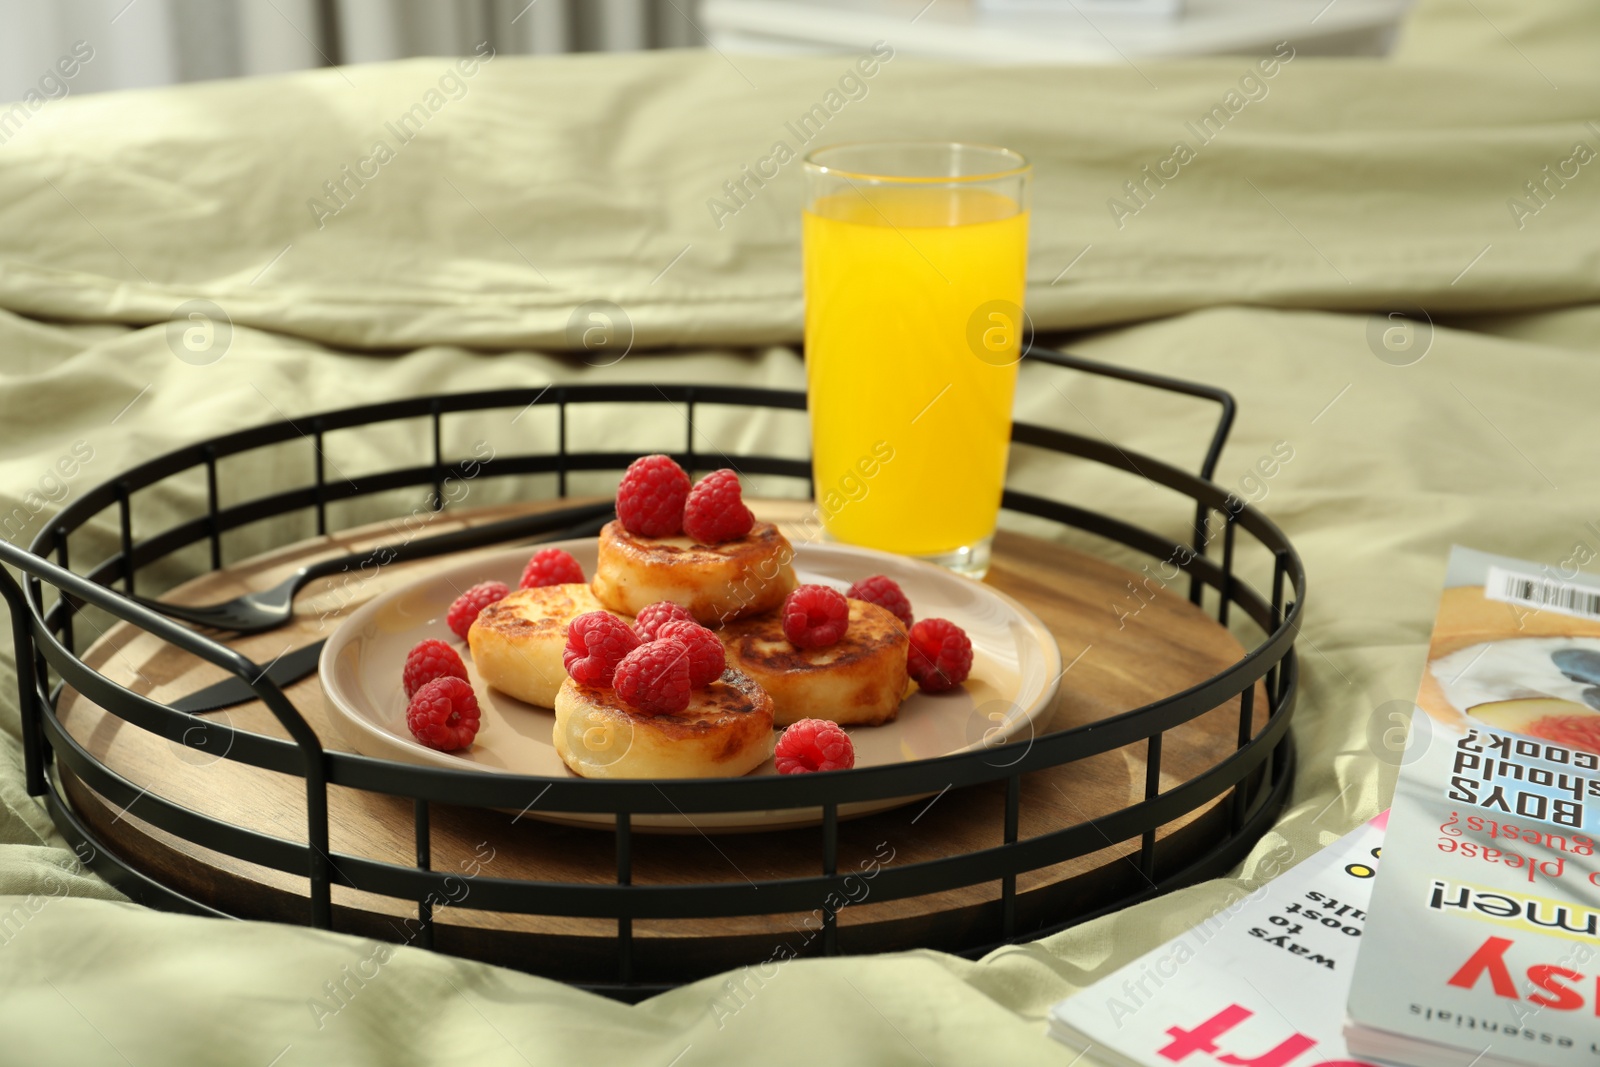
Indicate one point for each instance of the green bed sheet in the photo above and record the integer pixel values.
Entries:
(1337, 189)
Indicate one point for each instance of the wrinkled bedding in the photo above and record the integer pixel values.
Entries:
(1330, 192)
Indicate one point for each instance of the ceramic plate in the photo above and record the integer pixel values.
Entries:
(1016, 669)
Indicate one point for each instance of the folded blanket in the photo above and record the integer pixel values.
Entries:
(479, 201)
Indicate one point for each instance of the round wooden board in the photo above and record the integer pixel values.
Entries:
(1112, 667)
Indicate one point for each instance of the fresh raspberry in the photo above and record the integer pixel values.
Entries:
(651, 497)
(649, 622)
(429, 660)
(596, 643)
(653, 679)
(464, 612)
(940, 656)
(551, 566)
(444, 714)
(715, 510)
(814, 745)
(707, 658)
(815, 616)
(885, 593)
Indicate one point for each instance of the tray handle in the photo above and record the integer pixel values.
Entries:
(1219, 436)
(28, 626)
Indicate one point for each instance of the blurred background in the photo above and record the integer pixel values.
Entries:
(139, 43)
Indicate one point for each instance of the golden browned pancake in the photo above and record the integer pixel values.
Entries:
(858, 681)
(715, 583)
(725, 731)
(517, 642)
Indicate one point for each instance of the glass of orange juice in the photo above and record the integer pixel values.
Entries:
(915, 263)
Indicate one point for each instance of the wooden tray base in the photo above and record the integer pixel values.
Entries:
(1167, 646)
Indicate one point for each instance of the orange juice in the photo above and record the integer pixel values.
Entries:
(911, 361)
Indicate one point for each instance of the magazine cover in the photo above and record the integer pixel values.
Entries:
(1481, 943)
(1262, 982)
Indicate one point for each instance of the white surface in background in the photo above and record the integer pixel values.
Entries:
(1074, 33)
(1168, 9)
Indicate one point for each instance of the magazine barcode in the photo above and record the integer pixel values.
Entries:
(1546, 594)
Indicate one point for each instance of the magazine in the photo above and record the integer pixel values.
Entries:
(1262, 982)
(1481, 947)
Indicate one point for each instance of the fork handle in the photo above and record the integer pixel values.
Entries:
(489, 533)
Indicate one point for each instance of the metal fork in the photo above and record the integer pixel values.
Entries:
(270, 608)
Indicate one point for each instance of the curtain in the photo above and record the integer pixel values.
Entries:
(123, 44)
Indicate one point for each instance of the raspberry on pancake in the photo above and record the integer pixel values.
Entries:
(858, 680)
(725, 731)
(519, 643)
(716, 583)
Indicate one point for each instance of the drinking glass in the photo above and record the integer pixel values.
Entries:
(915, 261)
